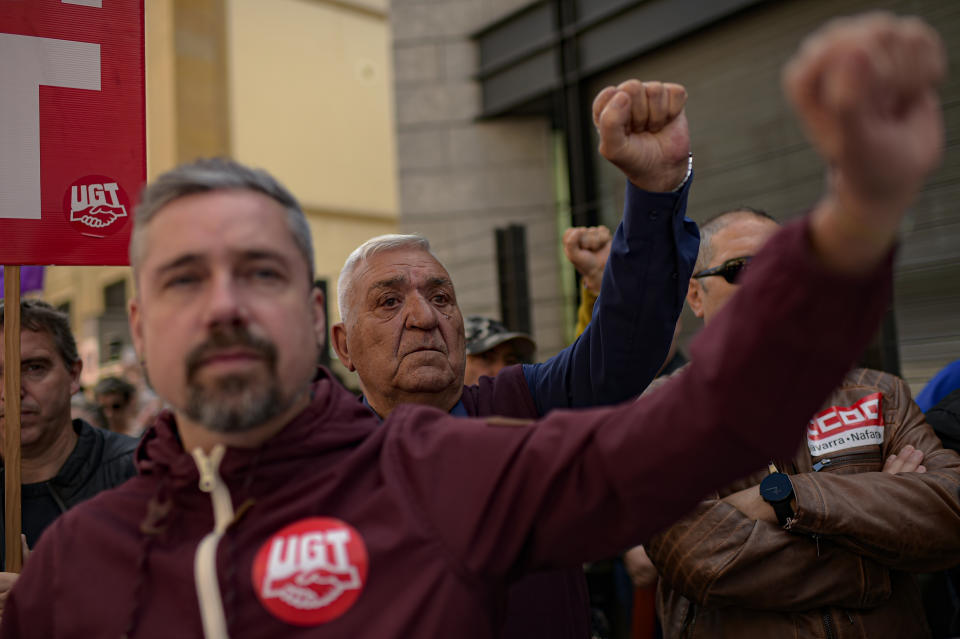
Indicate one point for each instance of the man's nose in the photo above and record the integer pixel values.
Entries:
(420, 313)
(225, 303)
(3, 390)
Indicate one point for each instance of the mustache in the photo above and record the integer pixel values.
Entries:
(229, 337)
(24, 408)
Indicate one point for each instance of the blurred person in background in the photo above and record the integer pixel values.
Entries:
(82, 408)
(491, 348)
(117, 399)
(587, 248)
(148, 405)
(944, 417)
(941, 590)
(942, 384)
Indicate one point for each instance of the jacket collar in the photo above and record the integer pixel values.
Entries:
(83, 459)
(333, 420)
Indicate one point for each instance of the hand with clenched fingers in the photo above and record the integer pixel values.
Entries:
(588, 248)
(643, 131)
(865, 90)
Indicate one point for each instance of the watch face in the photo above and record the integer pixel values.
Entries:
(776, 487)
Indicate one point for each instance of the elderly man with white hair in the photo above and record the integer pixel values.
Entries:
(402, 330)
(403, 333)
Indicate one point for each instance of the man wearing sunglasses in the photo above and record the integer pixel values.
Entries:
(822, 544)
(117, 399)
(728, 243)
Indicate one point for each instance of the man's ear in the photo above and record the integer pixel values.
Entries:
(75, 369)
(338, 334)
(136, 325)
(695, 298)
(320, 317)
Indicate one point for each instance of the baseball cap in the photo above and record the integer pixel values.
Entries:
(484, 333)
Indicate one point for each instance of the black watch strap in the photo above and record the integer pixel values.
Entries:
(777, 490)
(783, 510)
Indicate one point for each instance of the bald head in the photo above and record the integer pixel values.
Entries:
(721, 221)
(731, 235)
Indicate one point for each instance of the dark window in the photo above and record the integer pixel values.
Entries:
(512, 275)
(115, 297)
(113, 330)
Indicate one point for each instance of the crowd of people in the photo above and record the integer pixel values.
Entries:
(765, 488)
(119, 404)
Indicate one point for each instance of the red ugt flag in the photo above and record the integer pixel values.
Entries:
(72, 129)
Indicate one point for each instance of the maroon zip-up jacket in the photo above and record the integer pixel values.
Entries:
(550, 604)
(340, 527)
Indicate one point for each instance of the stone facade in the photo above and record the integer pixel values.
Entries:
(461, 178)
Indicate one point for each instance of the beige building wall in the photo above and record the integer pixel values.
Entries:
(160, 32)
(322, 120)
(461, 178)
(302, 88)
(317, 111)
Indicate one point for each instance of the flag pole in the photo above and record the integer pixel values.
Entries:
(11, 434)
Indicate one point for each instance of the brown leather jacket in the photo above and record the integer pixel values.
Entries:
(842, 567)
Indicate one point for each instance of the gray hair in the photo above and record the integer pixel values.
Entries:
(718, 222)
(364, 252)
(216, 174)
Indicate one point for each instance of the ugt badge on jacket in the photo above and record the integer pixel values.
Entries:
(311, 571)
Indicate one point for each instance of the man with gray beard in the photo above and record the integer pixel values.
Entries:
(233, 402)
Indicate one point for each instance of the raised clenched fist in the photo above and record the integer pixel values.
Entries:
(588, 248)
(865, 89)
(643, 131)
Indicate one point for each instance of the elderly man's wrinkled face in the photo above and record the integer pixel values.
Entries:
(225, 313)
(743, 237)
(405, 333)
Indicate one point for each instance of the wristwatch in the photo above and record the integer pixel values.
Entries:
(777, 491)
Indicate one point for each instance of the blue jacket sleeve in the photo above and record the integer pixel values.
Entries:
(942, 384)
(644, 285)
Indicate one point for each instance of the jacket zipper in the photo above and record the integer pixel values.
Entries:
(842, 458)
(690, 621)
(828, 625)
(205, 559)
